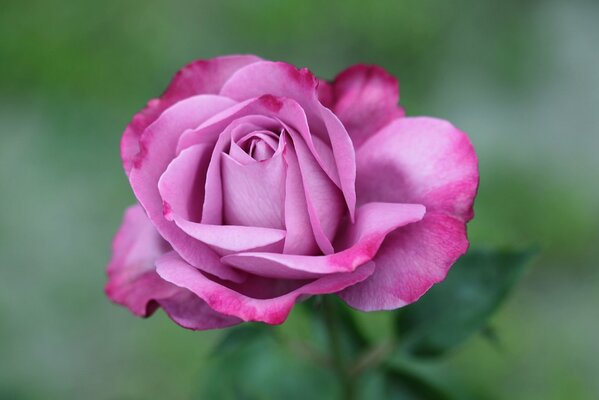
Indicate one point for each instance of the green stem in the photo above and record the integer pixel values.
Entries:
(341, 369)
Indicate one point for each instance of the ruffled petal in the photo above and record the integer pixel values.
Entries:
(422, 160)
(231, 302)
(360, 243)
(198, 77)
(409, 262)
(419, 160)
(365, 99)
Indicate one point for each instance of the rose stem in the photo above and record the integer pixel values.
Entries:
(332, 327)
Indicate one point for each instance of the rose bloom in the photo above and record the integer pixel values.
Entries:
(259, 185)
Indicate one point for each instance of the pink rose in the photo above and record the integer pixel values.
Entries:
(260, 185)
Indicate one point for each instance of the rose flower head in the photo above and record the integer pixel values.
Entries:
(259, 185)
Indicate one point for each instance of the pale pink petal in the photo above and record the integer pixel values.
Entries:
(243, 134)
(158, 145)
(300, 236)
(323, 215)
(419, 160)
(231, 302)
(293, 118)
(182, 191)
(284, 80)
(365, 99)
(198, 77)
(360, 244)
(181, 186)
(254, 194)
(223, 131)
(422, 160)
(323, 202)
(225, 239)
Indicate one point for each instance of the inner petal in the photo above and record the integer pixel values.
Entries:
(254, 192)
(260, 150)
(260, 145)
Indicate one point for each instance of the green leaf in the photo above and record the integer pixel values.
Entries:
(399, 383)
(252, 365)
(239, 336)
(461, 305)
(407, 385)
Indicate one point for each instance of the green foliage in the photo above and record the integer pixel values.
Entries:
(251, 363)
(461, 305)
(248, 358)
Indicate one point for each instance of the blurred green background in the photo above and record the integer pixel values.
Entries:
(521, 77)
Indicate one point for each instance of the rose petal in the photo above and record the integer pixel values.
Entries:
(409, 262)
(191, 312)
(284, 80)
(158, 144)
(419, 160)
(325, 93)
(224, 131)
(254, 194)
(134, 283)
(300, 235)
(321, 200)
(362, 240)
(422, 160)
(365, 100)
(323, 214)
(181, 186)
(225, 239)
(230, 302)
(198, 77)
(132, 278)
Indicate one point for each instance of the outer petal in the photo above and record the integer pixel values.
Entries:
(231, 302)
(365, 99)
(422, 160)
(409, 262)
(191, 312)
(361, 242)
(132, 278)
(325, 93)
(198, 77)
(134, 283)
(419, 160)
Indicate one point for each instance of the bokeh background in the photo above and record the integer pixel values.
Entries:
(521, 77)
